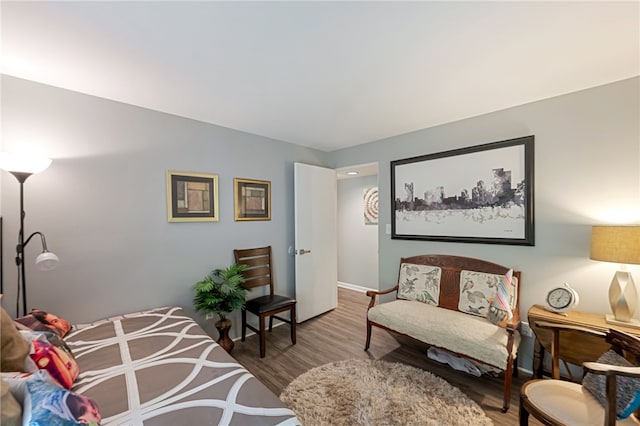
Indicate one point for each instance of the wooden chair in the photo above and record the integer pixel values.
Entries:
(259, 273)
(557, 402)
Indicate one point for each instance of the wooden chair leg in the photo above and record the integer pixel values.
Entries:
(270, 323)
(366, 346)
(244, 325)
(507, 385)
(293, 324)
(523, 414)
(262, 337)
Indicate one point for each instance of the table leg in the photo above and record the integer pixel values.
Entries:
(538, 359)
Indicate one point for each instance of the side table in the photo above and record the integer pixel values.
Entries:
(572, 349)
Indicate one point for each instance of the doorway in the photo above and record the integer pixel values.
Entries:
(358, 227)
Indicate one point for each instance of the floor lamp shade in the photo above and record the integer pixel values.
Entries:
(618, 244)
(23, 163)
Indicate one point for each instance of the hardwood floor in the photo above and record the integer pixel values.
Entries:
(340, 334)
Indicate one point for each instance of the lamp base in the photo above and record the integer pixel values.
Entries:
(623, 296)
(612, 320)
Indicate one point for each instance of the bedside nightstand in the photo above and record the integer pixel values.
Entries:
(588, 348)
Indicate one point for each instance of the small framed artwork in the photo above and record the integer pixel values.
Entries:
(252, 199)
(480, 194)
(370, 199)
(192, 197)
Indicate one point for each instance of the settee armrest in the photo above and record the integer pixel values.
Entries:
(514, 322)
(373, 293)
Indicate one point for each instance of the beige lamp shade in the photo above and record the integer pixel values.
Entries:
(618, 244)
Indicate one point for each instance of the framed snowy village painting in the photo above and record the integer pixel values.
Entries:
(479, 194)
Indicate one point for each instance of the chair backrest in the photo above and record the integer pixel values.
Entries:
(625, 345)
(259, 270)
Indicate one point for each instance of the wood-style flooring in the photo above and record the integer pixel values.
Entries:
(340, 334)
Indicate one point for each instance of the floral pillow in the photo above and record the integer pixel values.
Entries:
(40, 320)
(45, 402)
(419, 282)
(478, 291)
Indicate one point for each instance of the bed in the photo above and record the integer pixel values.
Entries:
(159, 367)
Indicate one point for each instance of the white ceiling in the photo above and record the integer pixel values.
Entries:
(322, 74)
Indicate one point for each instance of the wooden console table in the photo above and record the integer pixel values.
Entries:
(574, 348)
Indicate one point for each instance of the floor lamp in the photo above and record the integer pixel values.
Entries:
(23, 166)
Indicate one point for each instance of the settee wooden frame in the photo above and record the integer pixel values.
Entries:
(449, 297)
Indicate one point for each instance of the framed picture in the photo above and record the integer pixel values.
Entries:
(192, 197)
(480, 194)
(252, 199)
(370, 204)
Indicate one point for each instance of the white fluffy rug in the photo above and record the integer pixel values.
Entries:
(364, 392)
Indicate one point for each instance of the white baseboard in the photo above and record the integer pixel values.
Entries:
(525, 371)
(354, 287)
(276, 323)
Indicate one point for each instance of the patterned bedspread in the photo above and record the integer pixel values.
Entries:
(160, 368)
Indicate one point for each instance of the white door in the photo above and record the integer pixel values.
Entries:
(316, 198)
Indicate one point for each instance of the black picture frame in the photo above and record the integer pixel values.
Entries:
(192, 197)
(444, 197)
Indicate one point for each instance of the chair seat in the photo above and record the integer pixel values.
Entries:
(267, 303)
(567, 403)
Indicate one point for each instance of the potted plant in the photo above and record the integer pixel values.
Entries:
(220, 293)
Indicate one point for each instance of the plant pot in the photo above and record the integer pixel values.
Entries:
(225, 341)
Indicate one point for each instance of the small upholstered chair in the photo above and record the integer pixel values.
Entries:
(259, 273)
(615, 379)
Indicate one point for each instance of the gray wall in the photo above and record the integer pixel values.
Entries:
(587, 171)
(102, 203)
(357, 242)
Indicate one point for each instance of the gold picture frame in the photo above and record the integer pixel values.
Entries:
(252, 199)
(192, 197)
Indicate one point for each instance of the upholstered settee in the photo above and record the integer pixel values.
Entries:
(466, 306)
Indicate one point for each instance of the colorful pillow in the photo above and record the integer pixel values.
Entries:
(14, 348)
(478, 290)
(45, 402)
(500, 311)
(39, 320)
(627, 389)
(49, 352)
(419, 282)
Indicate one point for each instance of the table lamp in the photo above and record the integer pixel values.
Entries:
(619, 244)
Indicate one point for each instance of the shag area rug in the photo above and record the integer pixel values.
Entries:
(364, 392)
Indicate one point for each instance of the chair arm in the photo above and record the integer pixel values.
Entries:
(607, 369)
(555, 327)
(611, 372)
(372, 294)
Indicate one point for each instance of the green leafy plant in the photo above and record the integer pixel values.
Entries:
(221, 291)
